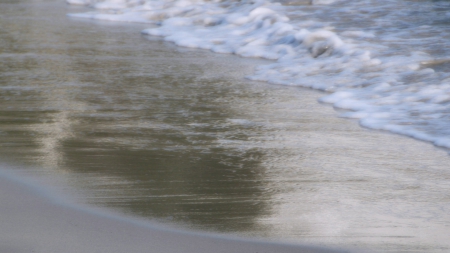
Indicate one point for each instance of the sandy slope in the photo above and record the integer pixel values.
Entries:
(33, 222)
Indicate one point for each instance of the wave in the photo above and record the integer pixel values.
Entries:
(382, 67)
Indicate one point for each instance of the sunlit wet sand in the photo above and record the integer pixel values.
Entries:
(178, 136)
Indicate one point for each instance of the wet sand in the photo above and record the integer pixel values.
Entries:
(33, 222)
(177, 135)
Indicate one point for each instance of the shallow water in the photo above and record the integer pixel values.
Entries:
(138, 125)
(383, 61)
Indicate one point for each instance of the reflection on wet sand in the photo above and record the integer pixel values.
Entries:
(142, 129)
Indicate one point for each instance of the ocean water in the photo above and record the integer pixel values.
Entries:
(139, 118)
(385, 62)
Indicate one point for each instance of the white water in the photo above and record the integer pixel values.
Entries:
(383, 61)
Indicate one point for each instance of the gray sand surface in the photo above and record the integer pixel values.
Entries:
(32, 222)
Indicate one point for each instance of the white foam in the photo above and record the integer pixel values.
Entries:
(369, 55)
(322, 1)
(81, 2)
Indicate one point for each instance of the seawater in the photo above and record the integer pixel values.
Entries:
(385, 62)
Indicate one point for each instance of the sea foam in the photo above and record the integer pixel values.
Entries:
(382, 73)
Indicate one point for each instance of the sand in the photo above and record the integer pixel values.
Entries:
(32, 221)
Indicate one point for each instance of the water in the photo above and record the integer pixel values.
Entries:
(136, 124)
(385, 61)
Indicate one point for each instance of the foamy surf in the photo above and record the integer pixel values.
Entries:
(381, 61)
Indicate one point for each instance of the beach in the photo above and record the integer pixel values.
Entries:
(34, 222)
(116, 141)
